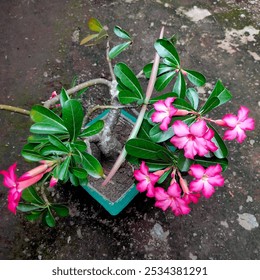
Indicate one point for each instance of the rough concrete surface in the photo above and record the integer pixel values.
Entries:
(39, 54)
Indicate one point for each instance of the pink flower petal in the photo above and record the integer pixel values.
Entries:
(199, 128)
(139, 176)
(53, 182)
(174, 190)
(144, 168)
(180, 128)
(230, 134)
(190, 149)
(142, 186)
(196, 185)
(157, 117)
(216, 181)
(197, 171)
(230, 120)
(165, 123)
(208, 190)
(248, 124)
(160, 194)
(242, 113)
(179, 142)
(163, 204)
(213, 170)
(153, 178)
(150, 190)
(241, 136)
(27, 183)
(168, 101)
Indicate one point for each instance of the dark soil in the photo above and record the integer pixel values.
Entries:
(123, 179)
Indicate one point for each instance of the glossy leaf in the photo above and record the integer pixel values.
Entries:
(92, 165)
(72, 114)
(61, 210)
(55, 141)
(37, 139)
(158, 136)
(166, 50)
(145, 149)
(79, 172)
(162, 68)
(193, 97)
(180, 86)
(52, 150)
(220, 93)
(94, 25)
(182, 104)
(49, 219)
(30, 195)
(64, 169)
(121, 33)
(155, 165)
(46, 119)
(206, 162)
(184, 163)
(127, 78)
(163, 97)
(164, 176)
(195, 78)
(116, 50)
(30, 154)
(88, 38)
(23, 207)
(79, 145)
(74, 180)
(92, 129)
(163, 80)
(144, 130)
(127, 97)
(63, 96)
(222, 151)
(34, 215)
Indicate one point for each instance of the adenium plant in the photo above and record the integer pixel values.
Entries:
(178, 154)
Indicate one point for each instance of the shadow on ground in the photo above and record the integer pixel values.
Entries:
(38, 56)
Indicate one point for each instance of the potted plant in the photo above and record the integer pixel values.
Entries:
(170, 142)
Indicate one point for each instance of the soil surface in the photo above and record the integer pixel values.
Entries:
(40, 53)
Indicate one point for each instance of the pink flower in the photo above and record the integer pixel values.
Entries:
(206, 179)
(191, 197)
(164, 111)
(146, 180)
(238, 125)
(195, 139)
(171, 198)
(17, 185)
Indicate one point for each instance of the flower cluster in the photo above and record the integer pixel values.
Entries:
(17, 185)
(196, 140)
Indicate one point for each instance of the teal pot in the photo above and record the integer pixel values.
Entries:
(117, 206)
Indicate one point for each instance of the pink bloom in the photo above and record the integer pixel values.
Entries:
(164, 111)
(195, 139)
(53, 182)
(206, 179)
(146, 180)
(53, 94)
(17, 185)
(171, 198)
(191, 197)
(238, 124)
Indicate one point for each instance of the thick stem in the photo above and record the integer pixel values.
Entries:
(140, 118)
(14, 109)
(70, 91)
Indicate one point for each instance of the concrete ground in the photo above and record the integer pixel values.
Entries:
(39, 54)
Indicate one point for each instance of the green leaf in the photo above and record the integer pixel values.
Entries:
(144, 130)
(38, 139)
(127, 97)
(220, 93)
(116, 50)
(206, 162)
(162, 68)
(222, 151)
(145, 149)
(121, 33)
(79, 145)
(184, 163)
(193, 97)
(30, 195)
(52, 150)
(94, 25)
(164, 176)
(61, 210)
(158, 136)
(163, 97)
(79, 172)
(63, 97)
(35, 215)
(89, 38)
(195, 78)
(155, 165)
(127, 78)
(166, 50)
(92, 166)
(74, 180)
(163, 80)
(49, 219)
(42, 115)
(55, 141)
(64, 169)
(182, 104)
(46, 128)
(92, 129)
(180, 86)
(30, 154)
(72, 114)
(23, 207)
